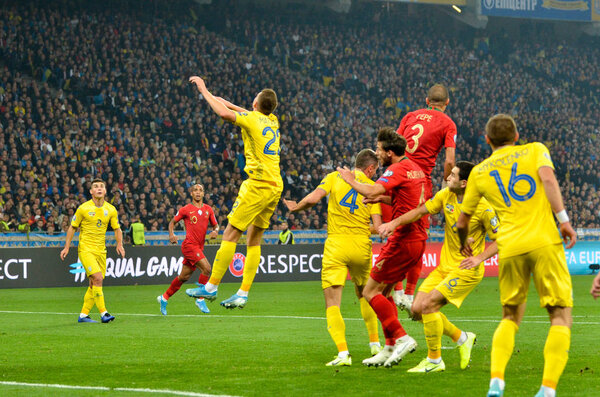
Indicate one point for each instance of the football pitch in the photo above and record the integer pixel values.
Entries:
(276, 346)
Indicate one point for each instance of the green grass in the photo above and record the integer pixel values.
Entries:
(264, 349)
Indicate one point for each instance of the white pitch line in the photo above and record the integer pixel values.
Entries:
(103, 388)
(475, 319)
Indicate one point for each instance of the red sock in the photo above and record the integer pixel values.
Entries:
(412, 277)
(174, 287)
(398, 286)
(388, 316)
(203, 279)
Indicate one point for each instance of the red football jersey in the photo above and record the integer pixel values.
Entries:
(196, 222)
(427, 131)
(405, 182)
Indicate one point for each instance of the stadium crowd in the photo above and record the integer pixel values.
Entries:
(89, 92)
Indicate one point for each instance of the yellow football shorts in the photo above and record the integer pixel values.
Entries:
(550, 276)
(254, 204)
(454, 284)
(343, 254)
(93, 262)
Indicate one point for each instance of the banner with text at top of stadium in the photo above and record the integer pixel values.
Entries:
(568, 10)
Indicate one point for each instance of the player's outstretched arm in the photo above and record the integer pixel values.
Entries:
(376, 218)
(556, 202)
(172, 236)
(449, 162)
(119, 237)
(474, 261)
(309, 201)
(65, 251)
(231, 106)
(462, 228)
(411, 216)
(595, 291)
(368, 191)
(217, 106)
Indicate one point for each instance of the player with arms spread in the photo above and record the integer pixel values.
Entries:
(404, 181)
(196, 217)
(456, 276)
(519, 183)
(347, 248)
(427, 131)
(258, 195)
(92, 219)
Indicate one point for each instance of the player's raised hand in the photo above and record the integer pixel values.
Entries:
(199, 83)
(595, 291)
(64, 253)
(172, 238)
(346, 174)
(213, 235)
(290, 204)
(121, 250)
(568, 234)
(386, 229)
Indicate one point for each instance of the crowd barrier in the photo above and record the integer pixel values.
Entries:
(42, 267)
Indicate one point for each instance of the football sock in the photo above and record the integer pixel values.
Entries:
(174, 287)
(556, 354)
(222, 261)
(336, 327)
(548, 391)
(462, 339)
(433, 327)
(88, 302)
(450, 329)
(250, 267)
(412, 277)
(503, 344)
(203, 279)
(370, 320)
(388, 316)
(241, 292)
(99, 298)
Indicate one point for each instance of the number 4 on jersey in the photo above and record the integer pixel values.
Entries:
(349, 200)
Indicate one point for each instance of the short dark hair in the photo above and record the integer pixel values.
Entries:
(391, 140)
(464, 169)
(98, 180)
(267, 101)
(501, 129)
(365, 158)
(438, 93)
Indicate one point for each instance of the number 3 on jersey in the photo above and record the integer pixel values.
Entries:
(349, 200)
(514, 178)
(267, 149)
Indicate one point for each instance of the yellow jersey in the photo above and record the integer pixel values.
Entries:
(93, 222)
(261, 145)
(484, 221)
(509, 180)
(346, 213)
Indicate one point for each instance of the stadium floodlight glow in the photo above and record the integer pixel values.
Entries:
(456, 8)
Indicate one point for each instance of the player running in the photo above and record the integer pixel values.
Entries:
(196, 217)
(456, 276)
(427, 131)
(347, 248)
(258, 195)
(404, 181)
(92, 218)
(519, 183)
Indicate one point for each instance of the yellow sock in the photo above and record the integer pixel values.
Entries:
(222, 261)
(556, 354)
(88, 301)
(336, 327)
(370, 318)
(450, 329)
(99, 298)
(503, 344)
(433, 327)
(252, 262)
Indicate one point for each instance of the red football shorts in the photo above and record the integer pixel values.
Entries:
(396, 258)
(192, 254)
